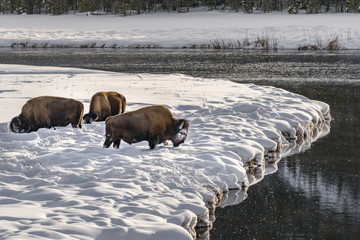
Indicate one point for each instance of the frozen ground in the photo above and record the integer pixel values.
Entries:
(61, 184)
(187, 30)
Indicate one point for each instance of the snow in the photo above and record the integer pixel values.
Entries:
(62, 184)
(198, 29)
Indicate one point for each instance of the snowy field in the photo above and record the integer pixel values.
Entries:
(199, 29)
(61, 184)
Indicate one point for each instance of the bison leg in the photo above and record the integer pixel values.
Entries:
(108, 142)
(153, 142)
(116, 143)
(75, 125)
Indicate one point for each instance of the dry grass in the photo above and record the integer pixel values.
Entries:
(334, 43)
(264, 42)
(331, 44)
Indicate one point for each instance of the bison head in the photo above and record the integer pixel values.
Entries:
(19, 125)
(90, 117)
(181, 131)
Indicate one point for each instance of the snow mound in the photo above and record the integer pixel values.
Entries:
(62, 184)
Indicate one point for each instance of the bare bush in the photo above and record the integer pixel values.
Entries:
(334, 43)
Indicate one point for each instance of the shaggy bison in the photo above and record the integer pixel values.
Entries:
(105, 104)
(47, 112)
(155, 124)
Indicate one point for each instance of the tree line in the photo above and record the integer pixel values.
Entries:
(126, 7)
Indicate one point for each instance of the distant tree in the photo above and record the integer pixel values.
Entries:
(107, 5)
(56, 7)
(312, 6)
(6, 6)
(339, 5)
(137, 6)
(277, 5)
(353, 6)
(326, 4)
(294, 6)
(234, 5)
(20, 6)
(87, 5)
(182, 5)
(121, 6)
(247, 6)
(73, 5)
(267, 6)
(212, 4)
(126, 7)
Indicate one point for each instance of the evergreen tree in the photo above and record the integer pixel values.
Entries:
(326, 4)
(56, 7)
(353, 6)
(121, 6)
(125, 7)
(87, 5)
(294, 6)
(247, 6)
(5, 6)
(266, 6)
(277, 5)
(211, 4)
(312, 6)
(20, 6)
(137, 6)
(234, 5)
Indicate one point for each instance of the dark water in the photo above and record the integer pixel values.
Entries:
(314, 194)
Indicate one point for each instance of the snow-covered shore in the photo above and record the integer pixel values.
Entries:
(62, 184)
(200, 29)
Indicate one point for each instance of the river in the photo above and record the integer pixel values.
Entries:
(314, 194)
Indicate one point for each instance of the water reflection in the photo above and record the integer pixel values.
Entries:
(331, 196)
(313, 195)
(257, 174)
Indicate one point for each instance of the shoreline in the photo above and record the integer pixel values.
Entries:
(194, 30)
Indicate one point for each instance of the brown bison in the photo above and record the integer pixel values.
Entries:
(105, 104)
(155, 124)
(47, 112)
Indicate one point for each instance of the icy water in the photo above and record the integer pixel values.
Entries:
(314, 194)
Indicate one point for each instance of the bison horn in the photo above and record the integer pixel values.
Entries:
(181, 125)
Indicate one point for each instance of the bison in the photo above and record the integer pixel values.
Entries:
(155, 124)
(105, 104)
(47, 112)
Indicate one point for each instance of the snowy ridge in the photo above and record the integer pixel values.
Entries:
(200, 29)
(62, 184)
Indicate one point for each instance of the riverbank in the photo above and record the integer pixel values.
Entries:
(64, 179)
(204, 29)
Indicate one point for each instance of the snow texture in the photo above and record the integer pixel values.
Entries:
(61, 184)
(198, 29)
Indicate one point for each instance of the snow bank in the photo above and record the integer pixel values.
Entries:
(200, 29)
(62, 184)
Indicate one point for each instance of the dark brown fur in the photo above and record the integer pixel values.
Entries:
(155, 124)
(105, 104)
(47, 112)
